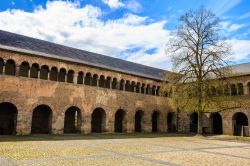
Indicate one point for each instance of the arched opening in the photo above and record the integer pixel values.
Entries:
(72, 120)
(127, 86)
(240, 89)
(132, 86)
(233, 90)
(34, 70)
(155, 121)
(137, 89)
(239, 121)
(138, 121)
(41, 120)
(102, 81)
(143, 88)
(122, 84)
(8, 118)
(80, 78)
(70, 76)
(158, 91)
(216, 120)
(87, 79)
(114, 83)
(154, 90)
(148, 89)
(62, 75)
(10, 67)
(194, 122)
(53, 74)
(98, 120)
(108, 82)
(24, 69)
(120, 121)
(171, 122)
(1, 65)
(94, 80)
(44, 72)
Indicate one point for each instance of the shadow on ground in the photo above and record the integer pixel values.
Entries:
(92, 136)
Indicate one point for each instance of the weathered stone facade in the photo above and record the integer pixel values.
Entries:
(26, 94)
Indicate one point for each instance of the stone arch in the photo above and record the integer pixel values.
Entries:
(72, 120)
(102, 81)
(143, 88)
(80, 77)
(70, 76)
(239, 121)
(233, 90)
(139, 115)
(120, 121)
(34, 70)
(171, 121)
(94, 80)
(8, 118)
(122, 84)
(155, 120)
(1, 65)
(132, 86)
(240, 89)
(88, 79)
(10, 67)
(108, 82)
(137, 89)
(41, 120)
(44, 72)
(53, 74)
(98, 120)
(194, 122)
(216, 123)
(127, 85)
(24, 69)
(114, 83)
(62, 75)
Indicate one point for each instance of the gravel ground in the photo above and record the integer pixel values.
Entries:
(122, 149)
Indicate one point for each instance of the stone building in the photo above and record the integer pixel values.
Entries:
(50, 88)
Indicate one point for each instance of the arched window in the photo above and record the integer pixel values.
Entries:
(143, 88)
(132, 87)
(24, 69)
(127, 86)
(122, 84)
(240, 89)
(53, 74)
(80, 78)
(233, 90)
(61, 75)
(34, 70)
(148, 89)
(70, 76)
(114, 83)
(1, 65)
(44, 72)
(102, 81)
(87, 79)
(158, 91)
(154, 90)
(10, 67)
(107, 82)
(94, 80)
(138, 87)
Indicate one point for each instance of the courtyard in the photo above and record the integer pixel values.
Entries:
(123, 149)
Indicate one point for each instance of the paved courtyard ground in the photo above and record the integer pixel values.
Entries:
(122, 149)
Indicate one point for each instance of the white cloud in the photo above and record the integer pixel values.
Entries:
(222, 6)
(82, 27)
(240, 49)
(113, 3)
(134, 6)
(246, 15)
(235, 27)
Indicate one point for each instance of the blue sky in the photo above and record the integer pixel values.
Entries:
(134, 30)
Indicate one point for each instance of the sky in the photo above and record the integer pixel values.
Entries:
(133, 30)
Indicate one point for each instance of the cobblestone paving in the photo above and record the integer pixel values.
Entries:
(121, 149)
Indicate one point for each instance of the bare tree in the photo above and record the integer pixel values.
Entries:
(199, 56)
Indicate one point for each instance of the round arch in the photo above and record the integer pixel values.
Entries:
(98, 120)
(120, 121)
(239, 121)
(139, 115)
(216, 122)
(72, 120)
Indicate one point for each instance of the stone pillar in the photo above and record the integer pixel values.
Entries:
(23, 123)
(227, 124)
(246, 90)
(75, 76)
(17, 70)
(58, 123)
(38, 74)
(110, 121)
(3, 69)
(147, 122)
(29, 73)
(86, 124)
(48, 75)
(130, 122)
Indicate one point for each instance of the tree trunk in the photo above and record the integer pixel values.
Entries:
(199, 130)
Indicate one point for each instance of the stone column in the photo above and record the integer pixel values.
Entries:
(246, 89)
(75, 76)
(130, 122)
(86, 124)
(147, 122)
(17, 70)
(58, 123)
(3, 69)
(38, 74)
(110, 121)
